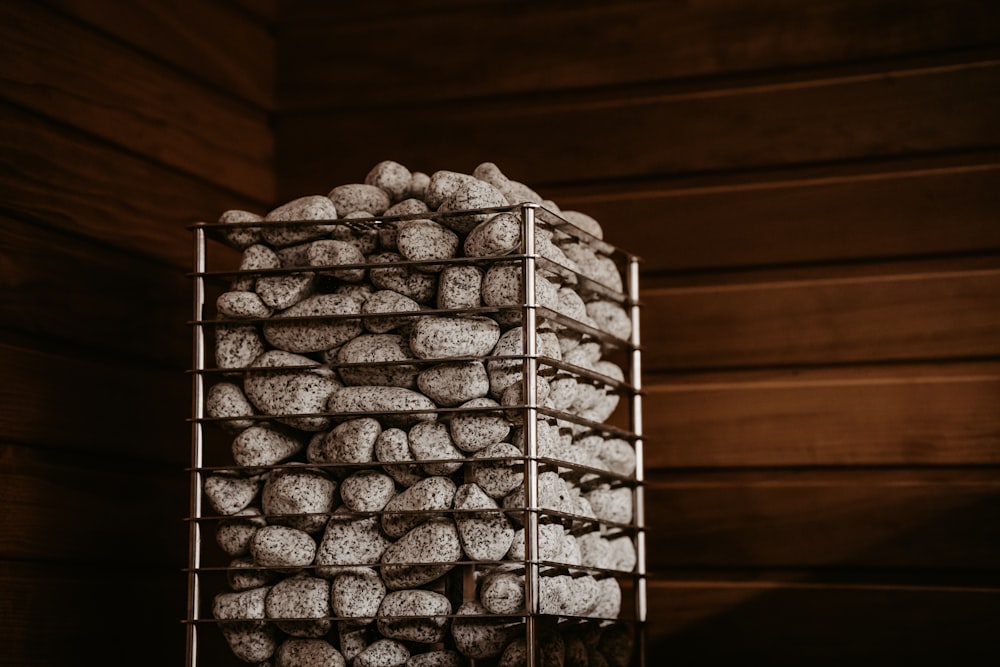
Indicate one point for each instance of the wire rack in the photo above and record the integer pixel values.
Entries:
(539, 622)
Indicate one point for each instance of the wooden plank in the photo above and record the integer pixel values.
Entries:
(812, 623)
(941, 315)
(122, 509)
(78, 292)
(848, 518)
(97, 407)
(63, 71)
(921, 415)
(47, 174)
(215, 42)
(626, 134)
(54, 613)
(850, 212)
(265, 12)
(520, 48)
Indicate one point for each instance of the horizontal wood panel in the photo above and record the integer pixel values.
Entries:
(850, 518)
(101, 407)
(78, 292)
(712, 623)
(61, 70)
(122, 510)
(840, 213)
(47, 173)
(211, 41)
(879, 318)
(123, 612)
(494, 49)
(624, 134)
(936, 415)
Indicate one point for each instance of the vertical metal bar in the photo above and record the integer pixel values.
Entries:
(530, 372)
(638, 494)
(197, 453)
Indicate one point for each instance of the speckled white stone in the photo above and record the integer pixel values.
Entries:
(497, 478)
(242, 305)
(453, 336)
(264, 445)
(351, 441)
(228, 493)
(233, 534)
(377, 349)
(551, 652)
(303, 495)
(473, 431)
(614, 454)
(470, 195)
(352, 640)
(413, 406)
(610, 317)
(480, 638)
(286, 394)
(406, 510)
(484, 535)
(599, 268)
(498, 235)
(241, 605)
(310, 207)
(307, 653)
(609, 599)
(551, 546)
(250, 641)
(243, 574)
(241, 237)
(414, 615)
(300, 597)
(505, 372)
(460, 287)
(563, 595)
(392, 177)
(442, 184)
(367, 491)
(611, 504)
(436, 659)
(236, 346)
(349, 541)
(432, 445)
(282, 547)
(314, 335)
(421, 287)
(356, 595)
(393, 445)
(585, 222)
(503, 286)
(331, 252)
(359, 197)
(424, 240)
(281, 291)
(514, 191)
(454, 383)
(502, 591)
(388, 301)
(225, 400)
(383, 653)
(435, 542)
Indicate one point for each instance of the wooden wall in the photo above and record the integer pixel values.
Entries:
(815, 189)
(122, 123)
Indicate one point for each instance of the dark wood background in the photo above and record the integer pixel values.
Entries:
(814, 188)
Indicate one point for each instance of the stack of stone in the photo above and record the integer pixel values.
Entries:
(368, 368)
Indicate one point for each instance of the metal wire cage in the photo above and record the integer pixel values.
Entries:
(563, 572)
